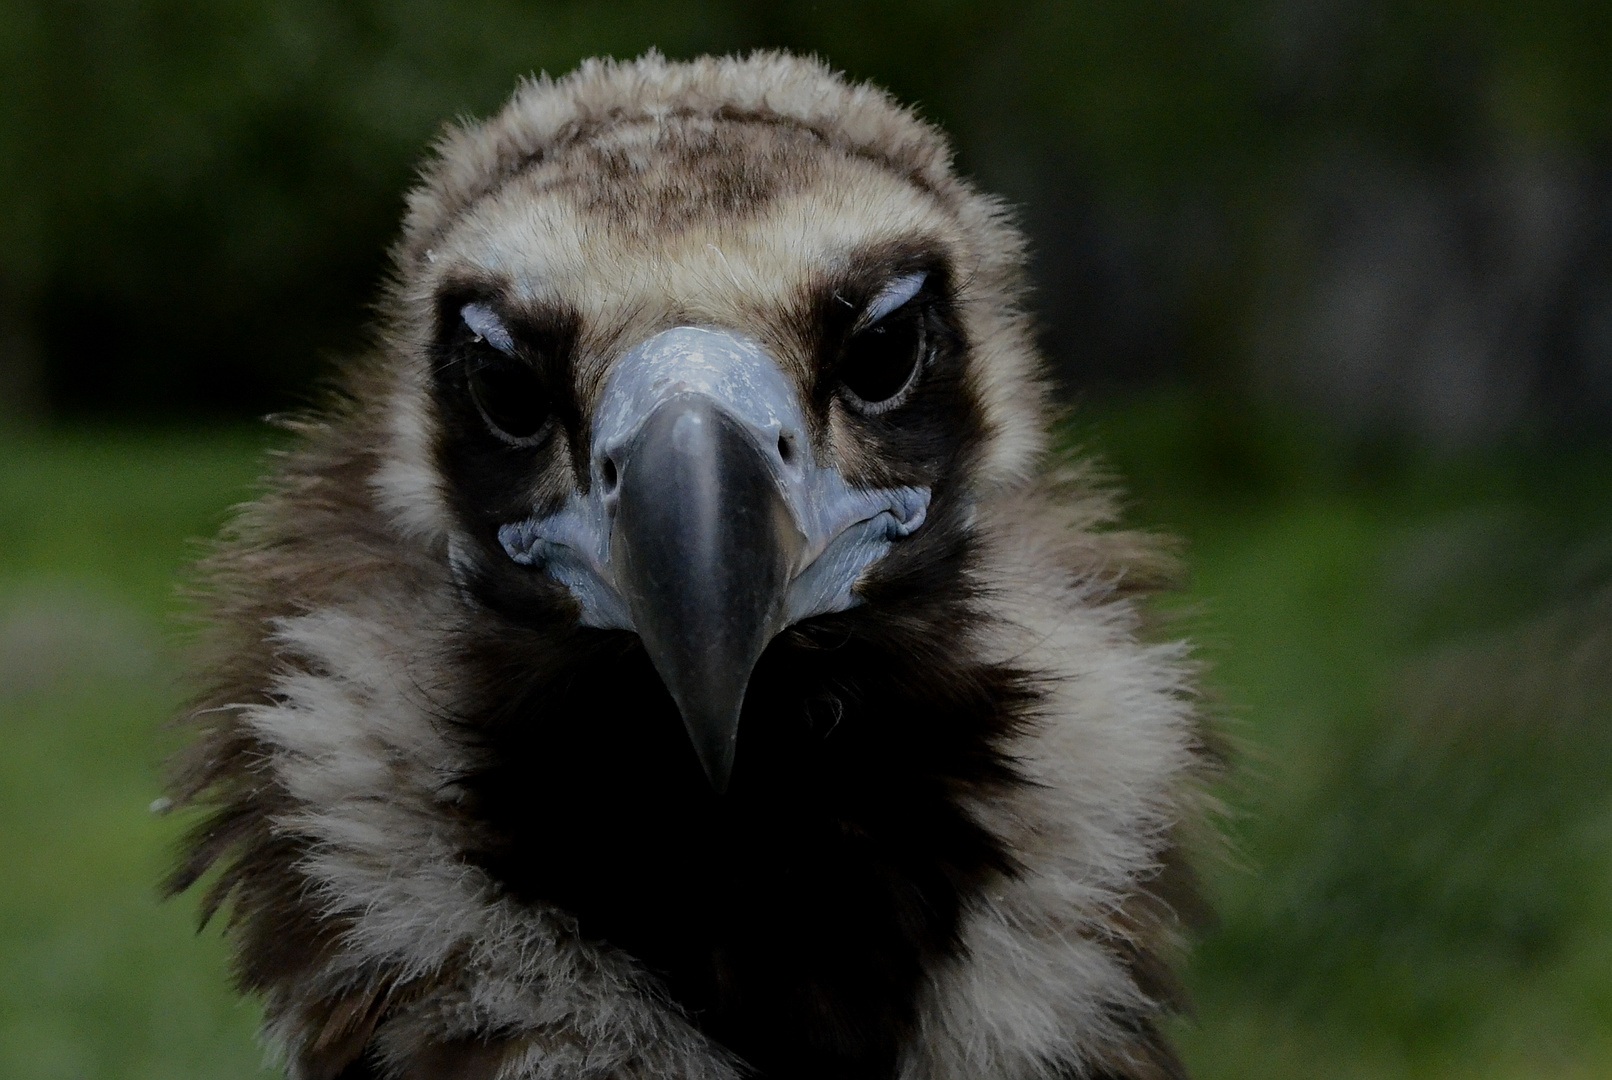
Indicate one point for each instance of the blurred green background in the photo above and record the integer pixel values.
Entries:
(1328, 281)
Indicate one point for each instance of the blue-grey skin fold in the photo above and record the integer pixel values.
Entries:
(846, 529)
(709, 524)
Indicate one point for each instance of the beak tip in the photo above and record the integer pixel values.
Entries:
(716, 755)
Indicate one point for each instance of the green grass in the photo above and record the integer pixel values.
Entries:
(1413, 655)
(97, 977)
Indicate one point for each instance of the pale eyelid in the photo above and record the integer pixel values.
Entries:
(485, 324)
(892, 297)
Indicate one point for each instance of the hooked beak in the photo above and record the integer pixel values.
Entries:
(704, 549)
(709, 526)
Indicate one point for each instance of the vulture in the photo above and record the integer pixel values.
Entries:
(679, 648)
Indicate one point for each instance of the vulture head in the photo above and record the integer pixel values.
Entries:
(676, 652)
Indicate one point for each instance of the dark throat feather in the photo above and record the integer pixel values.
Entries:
(792, 918)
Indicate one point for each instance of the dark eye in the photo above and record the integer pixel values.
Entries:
(510, 393)
(878, 363)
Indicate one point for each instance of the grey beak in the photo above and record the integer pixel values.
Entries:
(704, 549)
(709, 524)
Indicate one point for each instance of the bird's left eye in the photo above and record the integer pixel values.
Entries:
(881, 362)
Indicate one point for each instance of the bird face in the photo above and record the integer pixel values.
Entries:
(704, 401)
(700, 397)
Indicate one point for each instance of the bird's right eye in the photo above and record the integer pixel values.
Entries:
(510, 393)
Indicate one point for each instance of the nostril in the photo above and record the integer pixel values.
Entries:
(786, 448)
(607, 472)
